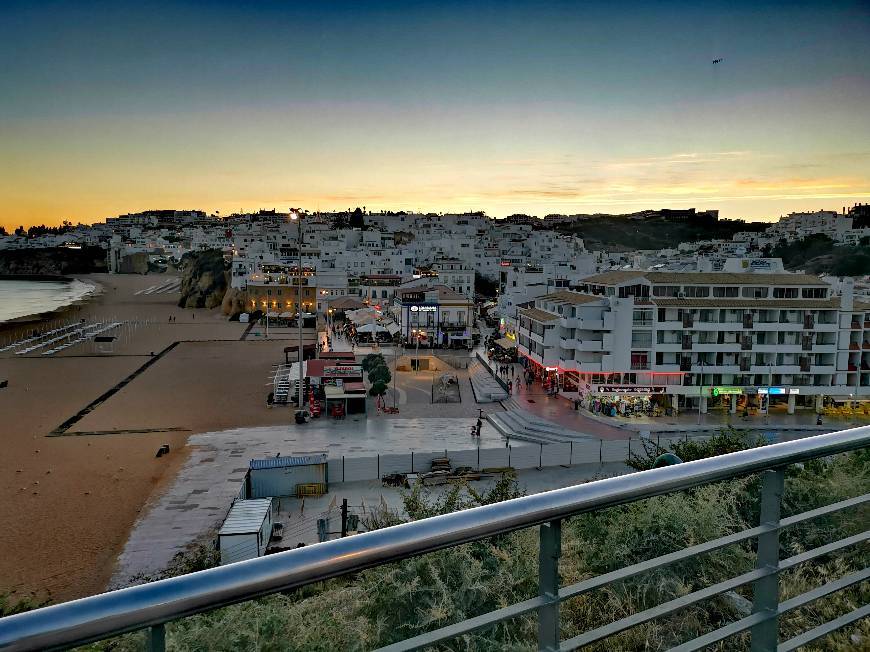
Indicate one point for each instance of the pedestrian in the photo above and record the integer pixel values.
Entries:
(510, 387)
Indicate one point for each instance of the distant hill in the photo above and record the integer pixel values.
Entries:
(52, 261)
(621, 233)
(818, 254)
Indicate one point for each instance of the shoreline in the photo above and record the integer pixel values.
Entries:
(97, 289)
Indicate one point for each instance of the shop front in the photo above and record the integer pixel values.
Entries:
(629, 400)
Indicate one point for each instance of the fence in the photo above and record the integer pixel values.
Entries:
(150, 606)
(522, 456)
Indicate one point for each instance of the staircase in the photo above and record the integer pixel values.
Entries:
(517, 423)
(486, 388)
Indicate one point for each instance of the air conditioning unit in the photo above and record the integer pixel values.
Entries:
(681, 295)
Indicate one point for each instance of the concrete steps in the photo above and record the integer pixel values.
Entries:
(486, 388)
(516, 423)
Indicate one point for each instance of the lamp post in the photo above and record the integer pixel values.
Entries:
(701, 391)
(416, 334)
(298, 219)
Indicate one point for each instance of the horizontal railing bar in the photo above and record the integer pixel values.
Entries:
(722, 633)
(822, 511)
(824, 629)
(465, 626)
(828, 548)
(97, 617)
(485, 620)
(826, 589)
(573, 590)
(663, 609)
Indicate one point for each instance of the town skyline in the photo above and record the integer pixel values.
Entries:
(537, 109)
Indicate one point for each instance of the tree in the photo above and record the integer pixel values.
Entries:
(378, 389)
(381, 374)
(484, 286)
(356, 219)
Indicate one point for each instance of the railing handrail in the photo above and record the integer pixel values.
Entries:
(108, 614)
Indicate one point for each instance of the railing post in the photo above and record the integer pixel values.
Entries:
(156, 638)
(548, 585)
(765, 592)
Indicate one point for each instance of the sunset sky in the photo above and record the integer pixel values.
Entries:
(506, 107)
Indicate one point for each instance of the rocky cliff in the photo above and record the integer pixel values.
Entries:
(204, 279)
(234, 302)
(52, 261)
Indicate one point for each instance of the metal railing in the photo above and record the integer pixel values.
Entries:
(152, 605)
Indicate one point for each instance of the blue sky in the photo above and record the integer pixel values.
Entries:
(504, 107)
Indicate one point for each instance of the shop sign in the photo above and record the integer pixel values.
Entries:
(424, 308)
(762, 391)
(551, 368)
(794, 390)
(723, 391)
(631, 389)
(776, 390)
(344, 371)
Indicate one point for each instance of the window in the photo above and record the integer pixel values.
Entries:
(732, 291)
(666, 290)
(460, 316)
(641, 339)
(697, 291)
(785, 293)
(814, 293)
(755, 292)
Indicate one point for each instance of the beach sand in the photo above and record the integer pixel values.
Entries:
(70, 501)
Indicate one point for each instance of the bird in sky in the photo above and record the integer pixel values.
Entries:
(715, 61)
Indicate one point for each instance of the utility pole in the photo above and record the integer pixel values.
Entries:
(701, 391)
(298, 219)
(343, 518)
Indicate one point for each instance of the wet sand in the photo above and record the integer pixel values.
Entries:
(70, 501)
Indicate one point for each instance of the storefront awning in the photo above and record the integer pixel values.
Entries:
(506, 343)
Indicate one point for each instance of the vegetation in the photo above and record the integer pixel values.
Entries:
(728, 440)
(389, 603)
(619, 233)
(484, 286)
(379, 373)
(819, 254)
(11, 604)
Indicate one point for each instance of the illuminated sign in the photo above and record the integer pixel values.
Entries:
(551, 368)
(722, 391)
(631, 389)
(343, 371)
(794, 390)
(776, 390)
(423, 308)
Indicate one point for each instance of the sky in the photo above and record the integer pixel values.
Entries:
(506, 107)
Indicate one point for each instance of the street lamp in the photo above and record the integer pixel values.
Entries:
(701, 390)
(294, 216)
(416, 333)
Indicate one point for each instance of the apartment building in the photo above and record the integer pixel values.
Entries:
(694, 340)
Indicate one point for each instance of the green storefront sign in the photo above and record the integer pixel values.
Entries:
(723, 391)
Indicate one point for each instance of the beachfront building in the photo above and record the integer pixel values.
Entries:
(435, 314)
(276, 288)
(696, 340)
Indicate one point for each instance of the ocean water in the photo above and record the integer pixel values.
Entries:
(23, 298)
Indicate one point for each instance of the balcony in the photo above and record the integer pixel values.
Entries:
(589, 345)
(152, 605)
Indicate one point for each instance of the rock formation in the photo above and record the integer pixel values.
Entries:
(204, 279)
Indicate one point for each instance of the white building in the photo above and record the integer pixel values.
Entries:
(732, 338)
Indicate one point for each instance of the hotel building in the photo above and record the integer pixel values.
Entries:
(692, 340)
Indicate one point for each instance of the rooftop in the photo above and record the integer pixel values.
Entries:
(707, 278)
(246, 516)
(571, 297)
(538, 315)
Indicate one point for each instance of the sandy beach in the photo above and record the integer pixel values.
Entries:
(71, 500)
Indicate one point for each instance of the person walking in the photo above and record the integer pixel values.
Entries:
(510, 387)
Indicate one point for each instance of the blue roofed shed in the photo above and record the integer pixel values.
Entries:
(282, 476)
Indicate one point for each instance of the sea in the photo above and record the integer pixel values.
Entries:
(25, 298)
